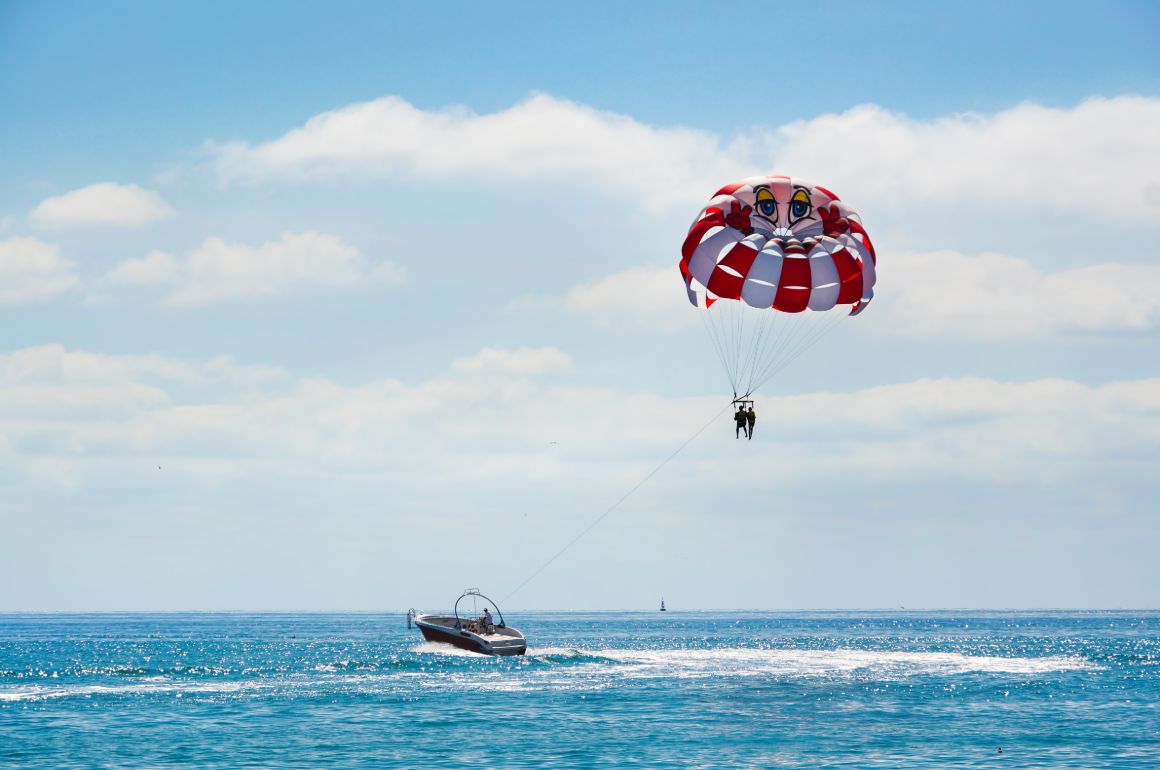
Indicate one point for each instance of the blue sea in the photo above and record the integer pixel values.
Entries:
(602, 690)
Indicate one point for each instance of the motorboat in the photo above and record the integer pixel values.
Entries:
(479, 634)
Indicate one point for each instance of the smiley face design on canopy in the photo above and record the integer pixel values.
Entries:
(778, 218)
(778, 243)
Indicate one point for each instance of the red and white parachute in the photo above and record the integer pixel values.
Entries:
(766, 247)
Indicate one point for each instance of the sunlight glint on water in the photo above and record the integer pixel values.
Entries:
(1074, 689)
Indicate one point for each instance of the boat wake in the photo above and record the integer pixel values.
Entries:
(568, 668)
(178, 689)
(810, 663)
(431, 665)
(438, 648)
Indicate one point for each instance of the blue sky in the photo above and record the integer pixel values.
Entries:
(367, 281)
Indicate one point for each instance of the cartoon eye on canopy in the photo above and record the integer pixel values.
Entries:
(766, 247)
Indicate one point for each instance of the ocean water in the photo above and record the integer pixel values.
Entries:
(604, 690)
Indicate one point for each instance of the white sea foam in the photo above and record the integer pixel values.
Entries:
(586, 670)
(805, 663)
(45, 692)
(741, 661)
(438, 648)
(557, 652)
(565, 668)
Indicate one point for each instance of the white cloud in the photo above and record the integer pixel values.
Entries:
(60, 409)
(1095, 161)
(1095, 167)
(995, 296)
(522, 361)
(47, 365)
(220, 270)
(156, 267)
(489, 418)
(106, 203)
(987, 296)
(646, 296)
(543, 139)
(31, 270)
(388, 273)
(1044, 431)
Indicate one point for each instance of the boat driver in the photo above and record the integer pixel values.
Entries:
(487, 621)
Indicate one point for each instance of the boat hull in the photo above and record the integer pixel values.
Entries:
(465, 640)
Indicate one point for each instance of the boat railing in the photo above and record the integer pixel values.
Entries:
(475, 592)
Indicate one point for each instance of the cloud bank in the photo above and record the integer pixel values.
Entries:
(987, 296)
(221, 270)
(1089, 161)
(32, 270)
(106, 203)
(647, 297)
(999, 297)
(65, 416)
(1093, 168)
(543, 139)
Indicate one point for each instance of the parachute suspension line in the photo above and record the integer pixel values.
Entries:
(716, 342)
(803, 328)
(722, 338)
(754, 350)
(719, 339)
(735, 320)
(753, 329)
(773, 344)
(790, 358)
(784, 336)
(760, 348)
(723, 318)
(723, 321)
(739, 314)
(786, 344)
(746, 366)
(803, 345)
(617, 504)
(812, 337)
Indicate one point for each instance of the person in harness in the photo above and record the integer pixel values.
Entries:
(740, 419)
(750, 419)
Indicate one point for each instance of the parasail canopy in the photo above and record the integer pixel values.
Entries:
(769, 246)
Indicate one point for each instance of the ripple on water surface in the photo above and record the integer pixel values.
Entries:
(594, 690)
